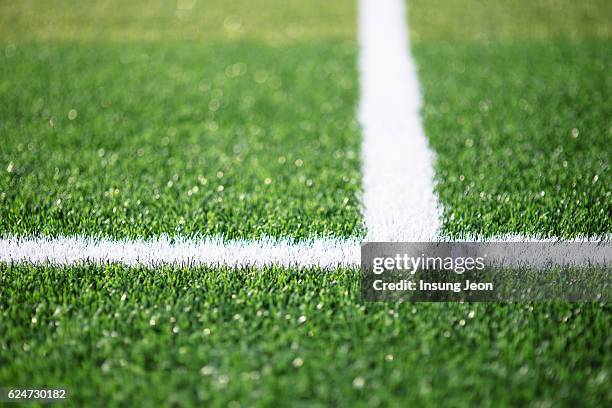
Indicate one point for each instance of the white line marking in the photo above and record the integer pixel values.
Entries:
(398, 175)
(399, 200)
(324, 253)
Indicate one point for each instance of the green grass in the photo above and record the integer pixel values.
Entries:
(509, 20)
(520, 125)
(121, 336)
(108, 120)
(522, 137)
(179, 140)
(122, 124)
(274, 22)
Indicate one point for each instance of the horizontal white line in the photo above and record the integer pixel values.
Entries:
(399, 199)
(324, 253)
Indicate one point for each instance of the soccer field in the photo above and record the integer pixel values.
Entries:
(245, 122)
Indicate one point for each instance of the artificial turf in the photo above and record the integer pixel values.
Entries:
(137, 108)
(508, 20)
(274, 337)
(522, 135)
(136, 120)
(517, 107)
(133, 141)
(272, 22)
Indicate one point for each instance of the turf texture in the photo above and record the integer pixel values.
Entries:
(131, 141)
(137, 110)
(222, 337)
(179, 118)
(519, 118)
(522, 137)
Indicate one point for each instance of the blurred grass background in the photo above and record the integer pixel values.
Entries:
(509, 20)
(271, 21)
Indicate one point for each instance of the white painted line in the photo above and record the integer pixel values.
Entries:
(398, 176)
(399, 199)
(323, 253)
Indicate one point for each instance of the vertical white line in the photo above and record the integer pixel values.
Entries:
(399, 199)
